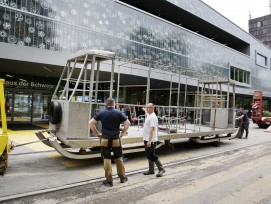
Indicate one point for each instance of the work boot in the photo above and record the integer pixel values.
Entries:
(108, 183)
(151, 168)
(160, 167)
(123, 179)
(148, 172)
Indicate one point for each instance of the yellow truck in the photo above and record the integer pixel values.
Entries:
(4, 142)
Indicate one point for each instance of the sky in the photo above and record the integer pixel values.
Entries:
(238, 10)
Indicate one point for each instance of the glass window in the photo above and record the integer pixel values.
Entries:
(245, 77)
(232, 73)
(236, 74)
(261, 60)
(239, 75)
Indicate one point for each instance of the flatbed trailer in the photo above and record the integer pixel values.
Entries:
(75, 104)
(132, 142)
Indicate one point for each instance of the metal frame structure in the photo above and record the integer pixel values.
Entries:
(72, 133)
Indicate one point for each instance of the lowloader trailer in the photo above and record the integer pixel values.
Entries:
(75, 101)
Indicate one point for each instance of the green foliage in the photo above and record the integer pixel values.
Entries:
(266, 114)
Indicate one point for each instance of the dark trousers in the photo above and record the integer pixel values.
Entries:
(244, 126)
(150, 151)
(108, 146)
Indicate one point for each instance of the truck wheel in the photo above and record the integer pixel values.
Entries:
(55, 112)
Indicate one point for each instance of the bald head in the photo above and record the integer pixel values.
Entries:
(150, 108)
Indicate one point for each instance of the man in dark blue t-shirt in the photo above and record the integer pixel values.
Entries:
(110, 139)
(245, 122)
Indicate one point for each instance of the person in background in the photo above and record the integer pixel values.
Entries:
(128, 113)
(7, 106)
(245, 122)
(138, 109)
(110, 139)
(150, 138)
(122, 109)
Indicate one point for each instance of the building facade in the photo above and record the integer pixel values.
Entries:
(260, 28)
(37, 36)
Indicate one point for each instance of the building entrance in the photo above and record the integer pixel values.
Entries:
(27, 106)
(22, 107)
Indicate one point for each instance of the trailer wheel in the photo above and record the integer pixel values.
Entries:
(217, 144)
(55, 112)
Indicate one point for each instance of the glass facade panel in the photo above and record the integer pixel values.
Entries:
(70, 25)
(241, 76)
(236, 74)
(22, 107)
(245, 77)
(232, 73)
(41, 103)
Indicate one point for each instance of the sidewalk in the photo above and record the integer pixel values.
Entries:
(18, 137)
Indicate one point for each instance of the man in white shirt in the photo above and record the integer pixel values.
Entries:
(150, 138)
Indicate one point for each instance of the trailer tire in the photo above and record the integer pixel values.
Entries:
(55, 112)
(260, 125)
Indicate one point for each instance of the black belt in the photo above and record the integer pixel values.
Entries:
(110, 137)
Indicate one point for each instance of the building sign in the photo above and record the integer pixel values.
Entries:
(27, 84)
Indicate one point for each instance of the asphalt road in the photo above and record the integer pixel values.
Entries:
(240, 172)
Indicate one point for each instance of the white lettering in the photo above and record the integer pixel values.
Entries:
(11, 83)
(39, 85)
(22, 83)
(27, 84)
